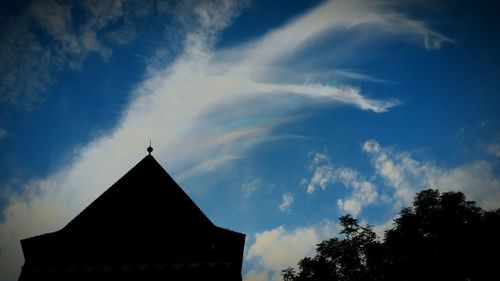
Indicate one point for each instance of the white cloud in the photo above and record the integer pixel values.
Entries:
(406, 175)
(279, 248)
(477, 180)
(179, 107)
(287, 199)
(364, 192)
(325, 173)
(398, 169)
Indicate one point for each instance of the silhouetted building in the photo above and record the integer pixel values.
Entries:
(144, 227)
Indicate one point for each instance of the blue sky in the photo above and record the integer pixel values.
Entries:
(276, 118)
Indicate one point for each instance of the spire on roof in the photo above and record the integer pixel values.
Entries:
(150, 149)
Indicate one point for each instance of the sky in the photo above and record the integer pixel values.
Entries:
(276, 117)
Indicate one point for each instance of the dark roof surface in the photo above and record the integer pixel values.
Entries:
(145, 217)
(147, 198)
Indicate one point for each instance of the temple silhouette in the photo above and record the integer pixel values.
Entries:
(144, 227)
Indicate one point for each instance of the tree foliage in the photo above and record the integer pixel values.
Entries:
(440, 237)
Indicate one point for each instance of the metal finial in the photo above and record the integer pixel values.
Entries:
(150, 149)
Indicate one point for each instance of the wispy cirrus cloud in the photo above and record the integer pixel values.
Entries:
(333, 17)
(183, 106)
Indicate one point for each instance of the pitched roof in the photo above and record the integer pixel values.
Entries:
(145, 197)
(145, 217)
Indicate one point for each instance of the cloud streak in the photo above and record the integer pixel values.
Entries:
(333, 17)
(179, 106)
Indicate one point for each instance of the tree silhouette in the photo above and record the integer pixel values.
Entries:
(440, 237)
